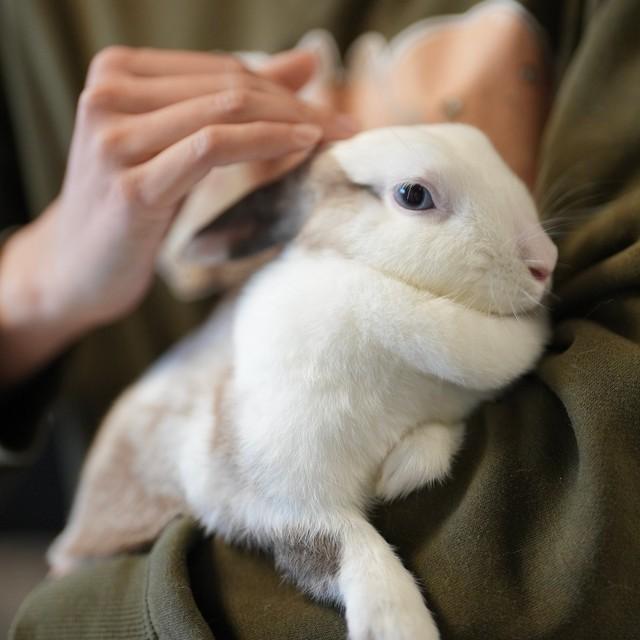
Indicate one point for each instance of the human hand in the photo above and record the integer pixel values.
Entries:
(150, 124)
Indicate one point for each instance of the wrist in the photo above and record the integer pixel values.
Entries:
(29, 293)
(35, 324)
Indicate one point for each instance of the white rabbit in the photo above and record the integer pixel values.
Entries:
(340, 373)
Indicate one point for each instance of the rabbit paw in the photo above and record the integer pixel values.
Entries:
(403, 617)
(424, 455)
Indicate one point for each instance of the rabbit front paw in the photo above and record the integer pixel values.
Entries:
(394, 619)
(423, 456)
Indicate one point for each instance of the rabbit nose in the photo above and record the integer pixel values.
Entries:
(540, 273)
(540, 255)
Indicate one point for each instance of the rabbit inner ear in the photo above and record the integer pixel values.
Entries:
(215, 244)
(267, 217)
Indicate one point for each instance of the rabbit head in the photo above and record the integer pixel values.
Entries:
(436, 207)
(431, 205)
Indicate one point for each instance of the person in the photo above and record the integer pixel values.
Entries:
(535, 534)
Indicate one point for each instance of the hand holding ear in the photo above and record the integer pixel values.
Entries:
(150, 124)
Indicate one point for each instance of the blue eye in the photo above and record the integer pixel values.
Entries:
(414, 196)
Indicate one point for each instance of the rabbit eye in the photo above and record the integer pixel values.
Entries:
(411, 195)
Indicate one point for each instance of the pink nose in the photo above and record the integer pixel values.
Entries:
(540, 273)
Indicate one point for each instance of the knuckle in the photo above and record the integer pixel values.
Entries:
(98, 96)
(233, 102)
(232, 63)
(206, 141)
(89, 100)
(109, 59)
(316, 113)
(237, 80)
(129, 188)
(110, 141)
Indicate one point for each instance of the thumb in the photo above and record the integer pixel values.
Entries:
(292, 69)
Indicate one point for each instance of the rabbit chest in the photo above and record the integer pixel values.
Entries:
(315, 395)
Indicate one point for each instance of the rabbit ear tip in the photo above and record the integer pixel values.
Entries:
(60, 563)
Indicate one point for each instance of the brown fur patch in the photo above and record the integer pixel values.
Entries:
(115, 509)
(221, 436)
(310, 561)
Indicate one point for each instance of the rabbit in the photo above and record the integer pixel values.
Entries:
(339, 374)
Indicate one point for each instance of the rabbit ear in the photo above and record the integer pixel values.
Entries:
(267, 217)
(116, 508)
(209, 250)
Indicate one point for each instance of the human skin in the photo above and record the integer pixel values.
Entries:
(149, 125)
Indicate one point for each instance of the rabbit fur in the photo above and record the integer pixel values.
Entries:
(341, 373)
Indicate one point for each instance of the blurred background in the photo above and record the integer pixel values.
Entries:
(34, 502)
(35, 495)
(32, 508)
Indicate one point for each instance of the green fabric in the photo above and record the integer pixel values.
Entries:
(536, 535)
(140, 596)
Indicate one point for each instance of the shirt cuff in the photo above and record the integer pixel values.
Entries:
(24, 407)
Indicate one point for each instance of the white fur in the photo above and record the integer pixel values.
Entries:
(354, 368)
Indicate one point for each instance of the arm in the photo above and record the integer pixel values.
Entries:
(150, 124)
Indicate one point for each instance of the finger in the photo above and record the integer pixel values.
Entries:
(165, 179)
(159, 62)
(292, 69)
(149, 134)
(134, 95)
(265, 171)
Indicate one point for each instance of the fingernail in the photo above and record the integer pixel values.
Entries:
(306, 135)
(346, 124)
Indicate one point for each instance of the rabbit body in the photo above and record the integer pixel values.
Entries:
(325, 384)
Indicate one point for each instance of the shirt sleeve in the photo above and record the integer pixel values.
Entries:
(23, 407)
